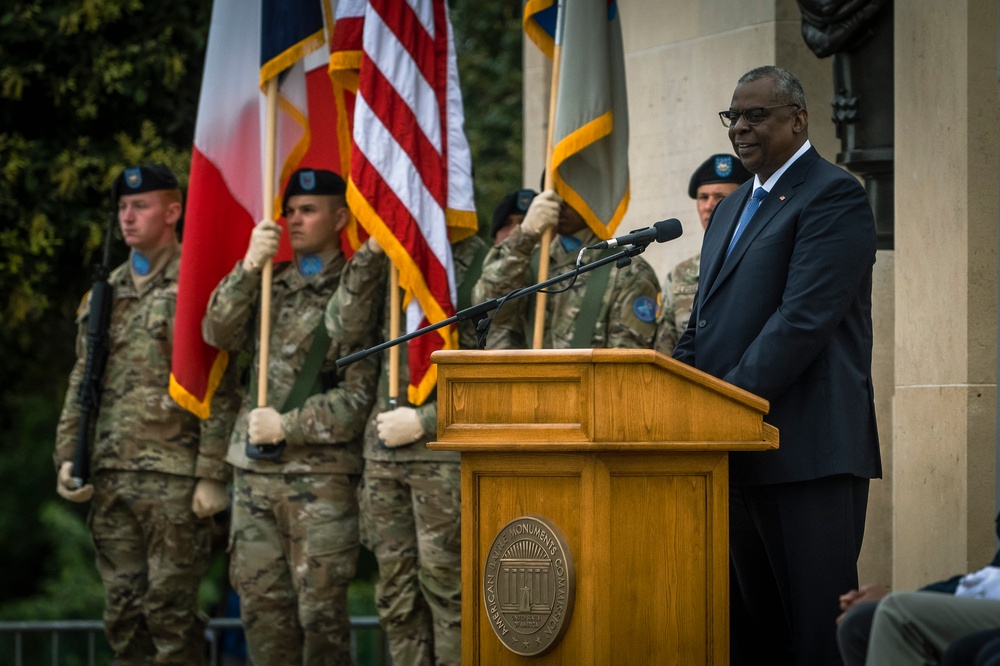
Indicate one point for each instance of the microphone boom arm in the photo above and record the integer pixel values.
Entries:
(480, 313)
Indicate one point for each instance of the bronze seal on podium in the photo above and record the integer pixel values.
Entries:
(529, 585)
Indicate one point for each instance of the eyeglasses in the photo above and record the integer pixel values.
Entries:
(753, 116)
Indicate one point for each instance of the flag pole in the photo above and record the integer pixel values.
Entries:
(270, 152)
(543, 259)
(394, 309)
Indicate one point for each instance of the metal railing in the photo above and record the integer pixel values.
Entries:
(94, 632)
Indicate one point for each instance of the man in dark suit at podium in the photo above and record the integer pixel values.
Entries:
(783, 310)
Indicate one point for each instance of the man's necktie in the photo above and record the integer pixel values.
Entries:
(752, 206)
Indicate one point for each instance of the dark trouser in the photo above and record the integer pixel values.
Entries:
(793, 551)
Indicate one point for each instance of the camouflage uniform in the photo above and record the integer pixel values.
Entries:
(627, 311)
(146, 457)
(295, 520)
(678, 298)
(410, 496)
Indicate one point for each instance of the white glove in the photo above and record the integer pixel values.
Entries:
(264, 426)
(982, 584)
(66, 486)
(373, 246)
(399, 427)
(543, 213)
(210, 497)
(263, 245)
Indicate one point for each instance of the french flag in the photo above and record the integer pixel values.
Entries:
(250, 42)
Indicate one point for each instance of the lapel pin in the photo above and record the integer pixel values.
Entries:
(781, 198)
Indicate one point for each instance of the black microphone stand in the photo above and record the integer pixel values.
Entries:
(480, 313)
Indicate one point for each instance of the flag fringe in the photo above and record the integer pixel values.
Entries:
(412, 281)
(343, 69)
(418, 394)
(576, 200)
(344, 146)
(575, 142)
(290, 56)
(535, 32)
(461, 224)
(200, 408)
(410, 276)
(581, 137)
(297, 152)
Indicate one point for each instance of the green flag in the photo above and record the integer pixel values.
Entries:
(590, 135)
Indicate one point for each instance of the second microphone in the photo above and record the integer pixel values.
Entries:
(660, 232)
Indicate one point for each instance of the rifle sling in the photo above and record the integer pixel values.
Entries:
(590, 308)
(472, 273)
(308, 382)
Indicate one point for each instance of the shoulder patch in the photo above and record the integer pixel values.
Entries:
(644, 308)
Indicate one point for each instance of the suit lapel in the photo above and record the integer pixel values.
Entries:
(771, 207)
(713, 251)
(772, 204)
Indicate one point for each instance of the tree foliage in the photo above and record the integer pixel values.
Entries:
(88, 87)
(488, 41)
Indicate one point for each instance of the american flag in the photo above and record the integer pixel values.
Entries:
(410, 169)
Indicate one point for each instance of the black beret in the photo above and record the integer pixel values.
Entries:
(514, 203)
(720, 168)
(313, 181)
(143, 178)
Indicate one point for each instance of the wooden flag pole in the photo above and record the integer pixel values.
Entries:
(394, 310)
(270, 155)
(543, 259)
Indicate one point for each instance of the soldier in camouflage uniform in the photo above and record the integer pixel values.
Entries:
(410, 499)
(510, 212)
(622, 315)
(294, 542)
(157, 471)
(678, 294)
(711, 182)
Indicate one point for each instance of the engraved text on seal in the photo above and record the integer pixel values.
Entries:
(529, 585)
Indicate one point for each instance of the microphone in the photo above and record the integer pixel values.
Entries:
(660, 232)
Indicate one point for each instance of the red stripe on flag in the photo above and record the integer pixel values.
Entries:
(347, 34)
(440, 47)
(398, 219)
(418, 352)
(214, 241)
(324, 151)
(410, 32)
(395, 113)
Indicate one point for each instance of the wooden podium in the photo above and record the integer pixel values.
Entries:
(626, 453)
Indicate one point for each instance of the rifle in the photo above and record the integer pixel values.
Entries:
(89, 397)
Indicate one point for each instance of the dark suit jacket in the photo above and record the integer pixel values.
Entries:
(788, 317)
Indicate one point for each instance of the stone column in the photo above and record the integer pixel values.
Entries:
(946, 288)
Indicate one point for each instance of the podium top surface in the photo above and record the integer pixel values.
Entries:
(612, 398)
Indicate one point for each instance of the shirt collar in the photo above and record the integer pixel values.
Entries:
(784, 167)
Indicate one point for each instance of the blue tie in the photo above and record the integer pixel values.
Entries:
(752, 206)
